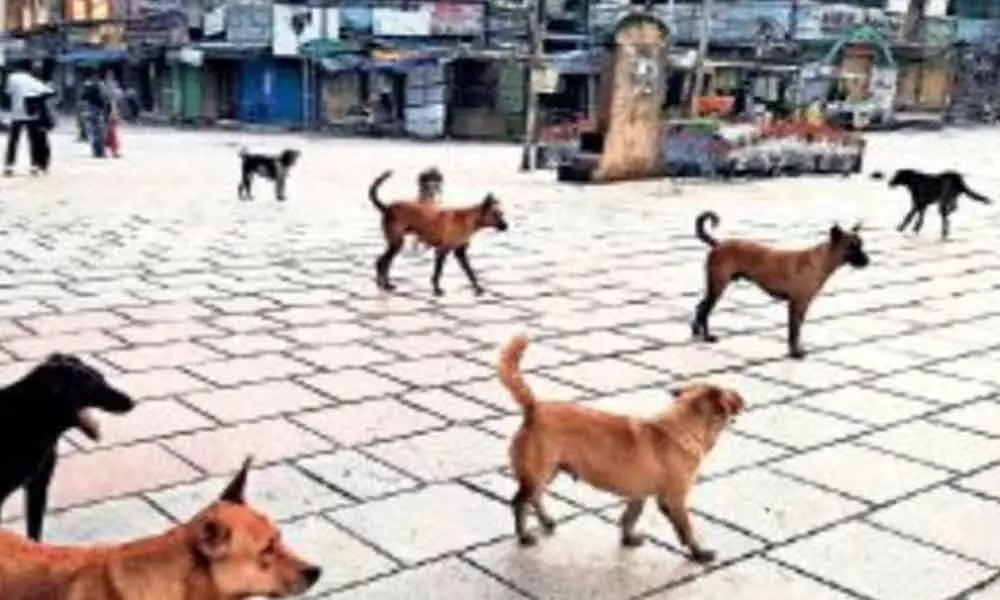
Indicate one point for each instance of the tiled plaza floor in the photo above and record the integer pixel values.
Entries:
(870, 470)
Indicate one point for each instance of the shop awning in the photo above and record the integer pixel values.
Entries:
(343, 63)
(92, 56)
(403, 61)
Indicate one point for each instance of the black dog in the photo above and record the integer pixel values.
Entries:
(34, 412)
(271, 167)
(926, 189)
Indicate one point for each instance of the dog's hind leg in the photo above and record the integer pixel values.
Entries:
(384, 263)
(440, 255)
(461, 254)
(713, 291)
(633, 510)
(528, 493)
(36, 495)
(945, 209)
(548, 523)
(906, 220)
(674, 509)
(920, 219)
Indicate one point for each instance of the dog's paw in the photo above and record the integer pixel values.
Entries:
(478, 291)
(527, 540)
(709, 338)
(548, 526)
(438, 292)
(632, 541)
(703, 557)
(797, 354)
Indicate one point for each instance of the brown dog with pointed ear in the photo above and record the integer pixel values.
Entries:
(447, 230)
(228, 551)
(631, 457)
(795, 276)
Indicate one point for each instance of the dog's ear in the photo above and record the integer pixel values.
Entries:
(234, 491)
(857, 228)
(836, 233)
(213, 538)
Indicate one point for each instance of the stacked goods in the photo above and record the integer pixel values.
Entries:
(764, 150)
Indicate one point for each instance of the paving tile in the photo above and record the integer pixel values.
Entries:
(810, 374)
(981, 416)
(166, 312)
(156, 383)
(85, 477)
(733, 451)
(937, 444)
(408, 526)
(154, 357)
(242, 323)
(331, 333)
(148, 420)
(435, 371)
(770, 506)
(866, 404)
(365, 422)
(755, 391)
(583, 559)
(797, 427)
(609, 375)
(248, 344)
(235, 371)
(449, 405)
(877, 360)
(221, 450)
(985, 482)
(70, 323)
(109, 522)
(253, 401)
(447, 454)
(342, 355)
(861, 472)
(357, 474)
(754, 579)
(687, 361)
(936, 387)
(491, 392)
(159, 333)
(463, 581)
(280, 491)
(354, 384)
(600, 343)
(945, 517)
(36, 348)
(881, 565)
(430, 343)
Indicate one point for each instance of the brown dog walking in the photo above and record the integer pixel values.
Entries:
(228, 551)
(447, 230)
(795, 276)
(633, 458)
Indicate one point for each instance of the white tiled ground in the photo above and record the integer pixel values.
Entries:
(868, 471)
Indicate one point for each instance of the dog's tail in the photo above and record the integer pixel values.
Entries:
(971, 194)
(699, 227)
(509, 369)
(244, 152)
(373, 191)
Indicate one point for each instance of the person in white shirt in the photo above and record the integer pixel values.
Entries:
(29, 114)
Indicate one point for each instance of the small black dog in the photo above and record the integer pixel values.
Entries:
(271, 167)
(34, 412)
(926, 189)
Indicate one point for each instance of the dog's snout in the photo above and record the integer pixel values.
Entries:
(502, 226)
(311, 574)
(119, 403)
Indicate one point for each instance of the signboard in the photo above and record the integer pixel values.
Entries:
(157, 22)
(295, 25)
(356, 19)
(214, 21)
(402, 23)
(977, 30)
(827, 21)
(448, 18)
(248, 24)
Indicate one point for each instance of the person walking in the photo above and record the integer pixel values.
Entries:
(29, 115)
(94, 109)
(114, 97)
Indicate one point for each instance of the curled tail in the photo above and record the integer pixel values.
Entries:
(972, 194)
(509, 369)
(699, 227)
(373, 191)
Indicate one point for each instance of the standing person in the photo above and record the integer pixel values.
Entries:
(28, 113)
(114, 97)
(94, 109)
